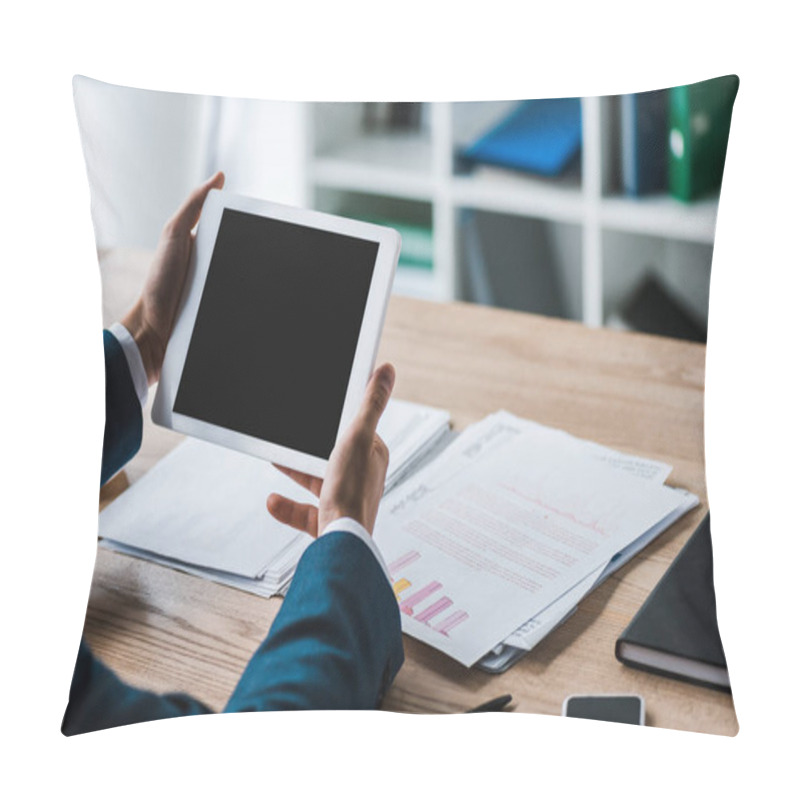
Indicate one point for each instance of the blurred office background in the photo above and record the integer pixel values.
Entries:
(600, 210)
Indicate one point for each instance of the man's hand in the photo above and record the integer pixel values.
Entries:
(152, 318)
(354, 479)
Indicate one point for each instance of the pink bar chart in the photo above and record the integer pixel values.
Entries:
(450, 622)
(414, 604)
(403, 561)
(407, 606)
(433, 610)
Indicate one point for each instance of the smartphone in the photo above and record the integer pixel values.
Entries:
(626, 708)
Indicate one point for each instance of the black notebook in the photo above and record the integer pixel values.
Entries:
(675, 632)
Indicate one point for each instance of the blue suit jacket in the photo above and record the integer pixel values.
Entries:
(335, 643)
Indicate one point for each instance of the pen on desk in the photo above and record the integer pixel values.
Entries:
(492, 705)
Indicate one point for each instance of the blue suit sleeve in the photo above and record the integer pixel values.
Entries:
(97, 697)
(336, 642)
(123, 431)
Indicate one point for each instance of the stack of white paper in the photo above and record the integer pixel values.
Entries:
(202, 508)
(410, 431)
(493, 544)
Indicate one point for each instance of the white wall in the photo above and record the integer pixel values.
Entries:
(145, 150)
(261, 147)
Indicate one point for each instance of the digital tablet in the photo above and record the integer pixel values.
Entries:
(278, 329)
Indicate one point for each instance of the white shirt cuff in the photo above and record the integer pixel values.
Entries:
(134, 359)
(349, 525)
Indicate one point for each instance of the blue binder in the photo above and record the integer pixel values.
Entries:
(539, 136)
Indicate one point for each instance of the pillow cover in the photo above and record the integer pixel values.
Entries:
(597, 210)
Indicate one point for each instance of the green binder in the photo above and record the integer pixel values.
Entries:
(699, 123)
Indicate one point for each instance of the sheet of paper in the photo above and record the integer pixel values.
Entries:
(528, 635)
(264, 587)
(645, 468)
(496, 530)
(409, 431)
(205, 505)
(501, 428)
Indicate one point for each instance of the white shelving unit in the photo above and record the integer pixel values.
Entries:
(599, 238)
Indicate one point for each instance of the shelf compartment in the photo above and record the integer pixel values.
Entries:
(393, 164)
(521, 263)
(505, 192)
(349, 153)
(681, 268)
(661, 215)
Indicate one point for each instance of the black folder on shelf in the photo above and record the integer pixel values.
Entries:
(675, 632)
(644, 142)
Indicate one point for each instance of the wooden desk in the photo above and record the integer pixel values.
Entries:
(164, 630)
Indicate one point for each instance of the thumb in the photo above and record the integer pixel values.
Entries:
(379, 389)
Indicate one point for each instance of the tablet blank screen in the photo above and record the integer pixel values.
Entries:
(276, 331)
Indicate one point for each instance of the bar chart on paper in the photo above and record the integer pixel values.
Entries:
(427, 604)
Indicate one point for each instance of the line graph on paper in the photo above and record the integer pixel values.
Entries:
(567, 505)
(426, 603)
(591, 523)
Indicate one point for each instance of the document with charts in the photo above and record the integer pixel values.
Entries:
(508, 520)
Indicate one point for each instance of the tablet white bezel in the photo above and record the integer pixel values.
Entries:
(388, 241)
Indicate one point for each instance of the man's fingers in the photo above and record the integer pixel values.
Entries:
(187, 215)
(379, 389)
(314, 485)
(301, 516)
